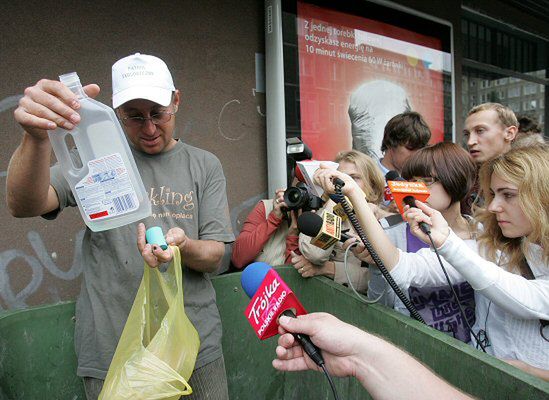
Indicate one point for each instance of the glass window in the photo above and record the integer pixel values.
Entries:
(514, 105)
(513, 92)
(530, 88)
(521, 96)
(490, 50)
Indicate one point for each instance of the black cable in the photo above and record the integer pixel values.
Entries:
(334, 391)
(338, 183)
(456, 298)
(312, 351)
(543, 324)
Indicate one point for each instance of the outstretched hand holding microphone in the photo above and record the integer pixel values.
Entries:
(422, 213)
(324, 177)
(384, 370)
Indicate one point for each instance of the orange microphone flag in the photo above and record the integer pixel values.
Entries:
(401, 189)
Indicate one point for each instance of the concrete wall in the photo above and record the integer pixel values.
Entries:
(210, 47)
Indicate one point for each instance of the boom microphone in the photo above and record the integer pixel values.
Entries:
(271, 297)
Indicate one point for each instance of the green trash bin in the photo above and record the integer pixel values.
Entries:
(37, 359)
(251, 375)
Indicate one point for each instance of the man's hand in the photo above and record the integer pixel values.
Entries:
(177, 237)
(48, 105)
(153, 254)
(339, 342)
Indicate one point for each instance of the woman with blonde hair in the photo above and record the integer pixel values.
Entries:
(512, 280)
(316, 261)
(367, 172)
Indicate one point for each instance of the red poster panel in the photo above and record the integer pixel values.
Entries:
(357, 73)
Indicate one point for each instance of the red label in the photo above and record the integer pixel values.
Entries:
(99, 214)
(388, 196)
(272, 298)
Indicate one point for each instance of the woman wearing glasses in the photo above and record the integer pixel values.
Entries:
(449, 173)
(511, 282)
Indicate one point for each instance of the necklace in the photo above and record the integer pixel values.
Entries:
(459, 225)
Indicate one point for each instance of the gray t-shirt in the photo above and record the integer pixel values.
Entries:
(187, 189)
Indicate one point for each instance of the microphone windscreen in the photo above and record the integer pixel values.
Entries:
(252, 276)
(409, 201)
(309, 223)
(393, 176)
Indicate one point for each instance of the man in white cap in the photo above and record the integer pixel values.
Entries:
(186, 187)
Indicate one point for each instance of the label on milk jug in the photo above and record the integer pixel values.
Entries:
(107, 190)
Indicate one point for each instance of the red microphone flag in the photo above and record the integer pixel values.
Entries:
(271, 298)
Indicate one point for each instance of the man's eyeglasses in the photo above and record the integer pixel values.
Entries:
(427, 180)
(157, 119)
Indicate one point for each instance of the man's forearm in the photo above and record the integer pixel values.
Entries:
(202, 255)
(390, 373)
(28, 179)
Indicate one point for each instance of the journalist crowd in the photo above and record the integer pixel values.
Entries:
(480, 274)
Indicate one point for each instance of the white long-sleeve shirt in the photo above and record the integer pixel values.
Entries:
(508, 306)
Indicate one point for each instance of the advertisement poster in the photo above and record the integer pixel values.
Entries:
(357, 73)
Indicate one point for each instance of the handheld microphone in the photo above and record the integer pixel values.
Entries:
(405, 193)
(325, 235)
(311, 224)
(271, 297)
(393, 176)
(390, 176)
(338, 207)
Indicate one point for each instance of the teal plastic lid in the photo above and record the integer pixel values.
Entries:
(155, 236)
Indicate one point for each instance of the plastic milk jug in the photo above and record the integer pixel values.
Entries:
(106, 185)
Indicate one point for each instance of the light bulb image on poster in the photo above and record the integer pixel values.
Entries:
(356, 73)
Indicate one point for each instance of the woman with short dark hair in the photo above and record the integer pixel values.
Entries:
(449, 173)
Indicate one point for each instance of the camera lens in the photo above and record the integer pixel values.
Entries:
(295, 197)
(298, 197)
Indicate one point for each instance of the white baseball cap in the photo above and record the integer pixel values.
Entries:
(140, 76)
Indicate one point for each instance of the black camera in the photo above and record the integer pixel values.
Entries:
(299, 198)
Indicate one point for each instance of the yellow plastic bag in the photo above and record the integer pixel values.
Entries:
(157, 351)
